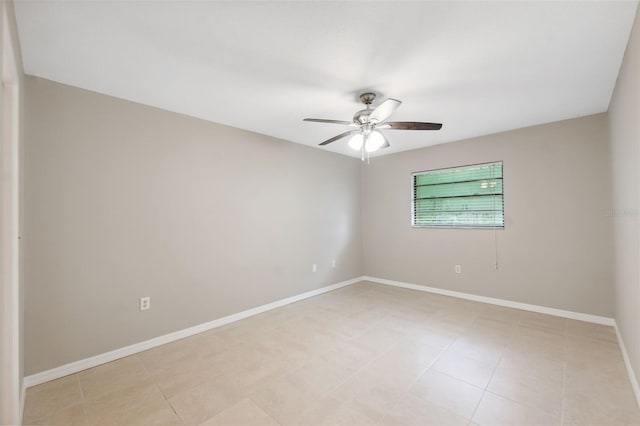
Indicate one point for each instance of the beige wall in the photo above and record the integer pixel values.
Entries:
(624, 118)
(124, 201)
(555, 250)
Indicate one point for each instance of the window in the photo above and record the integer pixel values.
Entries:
(469, 197)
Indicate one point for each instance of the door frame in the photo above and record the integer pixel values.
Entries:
(10, 385)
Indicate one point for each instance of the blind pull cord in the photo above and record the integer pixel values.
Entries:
(495, 228)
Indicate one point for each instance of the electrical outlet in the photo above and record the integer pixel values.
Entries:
(333, 263)
(314, 268)
(145, 303)
(458, 269)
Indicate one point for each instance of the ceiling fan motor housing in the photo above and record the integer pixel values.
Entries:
(362, 116)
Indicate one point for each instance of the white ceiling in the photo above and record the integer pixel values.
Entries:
(477, 67)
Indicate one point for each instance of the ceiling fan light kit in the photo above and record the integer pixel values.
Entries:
(367, 138)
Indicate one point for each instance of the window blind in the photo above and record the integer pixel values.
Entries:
(468, 196)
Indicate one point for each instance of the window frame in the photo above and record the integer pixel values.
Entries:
(413, 200)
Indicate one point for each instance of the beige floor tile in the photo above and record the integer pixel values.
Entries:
(203, 402)
(596, 385)
(73, 415)
(595, 355)
(490, 330)
(451, 321)
(292, 353)
(434, 337)
(532, 363)
(154, 412)
(190, 371)
(599, 409)
(379, 339)
(111, 377)
(285, 400)
(495, 410)
(352, 328)
(548, 323)
(140, 404)
(404, 362)
(589, 330)
(350, 353)
(189, 349)
(321, 374)
(528, 388)
(43, 401)
(166, 355)
(417, 412)
(538, 341)
(404, 323)
(254, 376)
(453, 394)
(381, 412)
(481, 349)
(329, 411)
(312, 339)
(180, 377)
(244, 413)
(466, 369)
(500, 313)
(369, 389)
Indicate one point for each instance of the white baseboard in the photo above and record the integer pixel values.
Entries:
(627, 362)
(500, 302)
(74, 367)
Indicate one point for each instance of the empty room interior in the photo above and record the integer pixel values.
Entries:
(320, 213)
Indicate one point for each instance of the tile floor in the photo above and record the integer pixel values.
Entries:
(366, 354)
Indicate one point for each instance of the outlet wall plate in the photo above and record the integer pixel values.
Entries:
(145, 303)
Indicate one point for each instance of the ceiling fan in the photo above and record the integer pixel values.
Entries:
(367, 137)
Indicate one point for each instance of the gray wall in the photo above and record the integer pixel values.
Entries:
(624, 118)
(124, 200)
(555, 250)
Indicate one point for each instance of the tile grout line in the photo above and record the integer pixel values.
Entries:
(84, 405)
(430, 367)
(155, 384)
(486, 387)
(250, 398)
(71, 404)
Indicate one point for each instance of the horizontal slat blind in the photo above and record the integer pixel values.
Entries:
(469, 196)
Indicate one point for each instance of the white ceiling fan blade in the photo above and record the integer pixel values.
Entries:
(384, 110)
